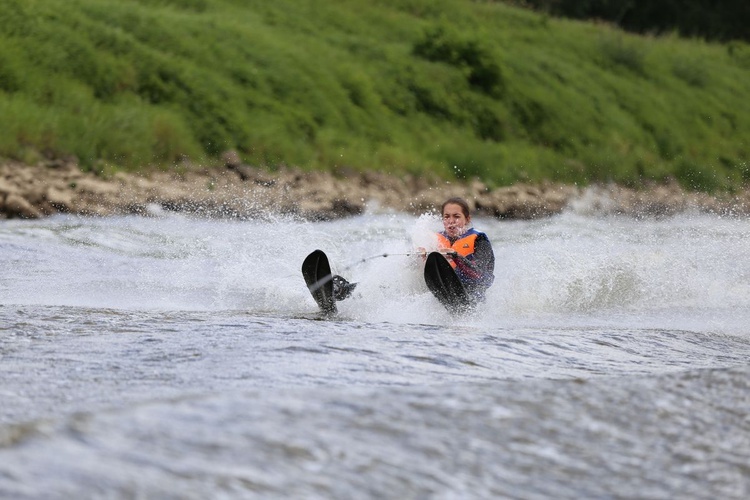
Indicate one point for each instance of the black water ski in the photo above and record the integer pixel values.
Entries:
(442, 281)
(317, 273)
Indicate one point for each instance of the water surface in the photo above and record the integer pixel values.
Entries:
(174, 357)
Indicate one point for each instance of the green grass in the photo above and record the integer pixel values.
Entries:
(456, 88)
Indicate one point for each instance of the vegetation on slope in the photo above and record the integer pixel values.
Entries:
(454, 88)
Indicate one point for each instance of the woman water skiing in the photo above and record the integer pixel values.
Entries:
(468, 251)
(458, 275)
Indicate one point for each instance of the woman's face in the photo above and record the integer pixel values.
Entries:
(454, 220)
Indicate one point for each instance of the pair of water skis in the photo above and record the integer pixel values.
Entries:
(439, 277)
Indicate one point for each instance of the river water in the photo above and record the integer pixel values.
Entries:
(178, 357)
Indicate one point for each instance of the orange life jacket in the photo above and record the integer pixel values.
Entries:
(463, 246)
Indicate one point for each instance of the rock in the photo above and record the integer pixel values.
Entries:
(92, 185)
(60, 199)
(345, 208)
(6, 187)
(245, 172)
(231, 159)
(17, 206)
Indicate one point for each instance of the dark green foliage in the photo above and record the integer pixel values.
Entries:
(194, 5)
(709, 19)
(621, 52)
(692, 71)
(740, 53)
(11, 66)
(444, 43)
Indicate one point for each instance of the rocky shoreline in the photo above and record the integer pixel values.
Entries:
(241, 191)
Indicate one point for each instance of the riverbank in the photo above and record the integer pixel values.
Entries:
(236, 190)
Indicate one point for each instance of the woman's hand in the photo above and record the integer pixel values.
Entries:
(448, 253)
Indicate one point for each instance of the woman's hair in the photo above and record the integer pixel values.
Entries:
(457, 201)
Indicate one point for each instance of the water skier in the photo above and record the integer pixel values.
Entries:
(458, 274)
(468, 251)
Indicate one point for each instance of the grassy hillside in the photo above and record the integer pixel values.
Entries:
(456, 87)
